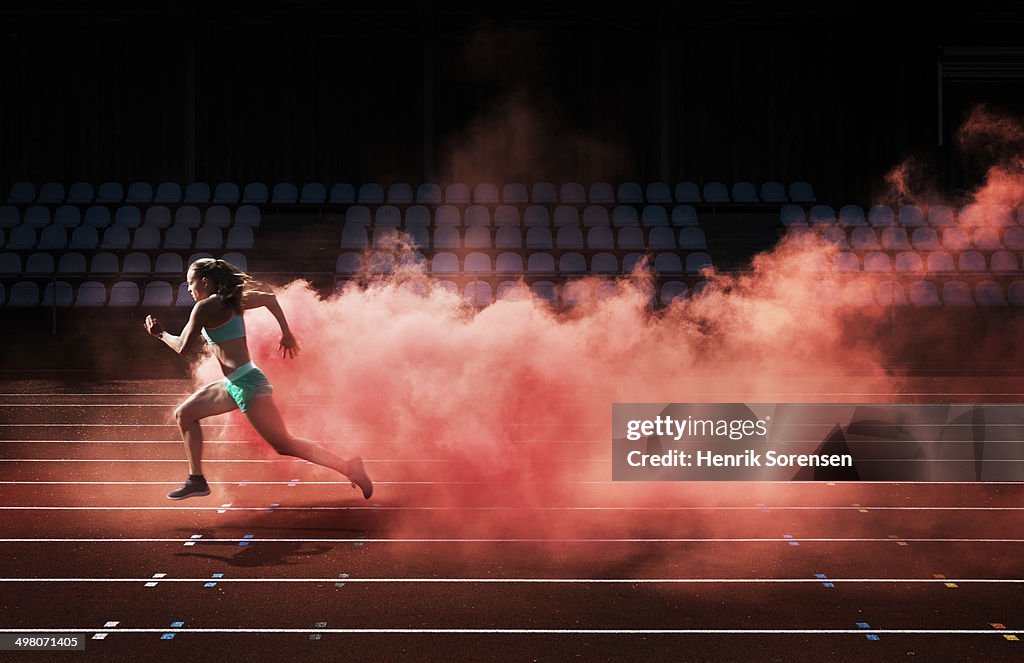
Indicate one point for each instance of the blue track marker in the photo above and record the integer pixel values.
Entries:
(247, 536)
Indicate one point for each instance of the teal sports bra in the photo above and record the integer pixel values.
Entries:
(233, 328)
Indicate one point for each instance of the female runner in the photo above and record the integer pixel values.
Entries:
(219, 289)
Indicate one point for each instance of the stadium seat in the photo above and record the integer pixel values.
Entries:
(349, 263)
(91, 293)
(71, 263)
(358, 215)
(158, 293)
(217, 216)
(687, 192)
(104, 263)
(940, 261)
(665, 263)
(630, 193)
(21, 238)
(10, 263)
(625, 215)
(255, 193)
(925, 239)
(911, 216)
(24, 294)
(544, 193)
(400, 193)
(9, 216)
(447, 215)
(987, 239)
(653, 215)
(924, 293)
(881, 216)
(248, 216)
(890, 293)
(158, 216)
(1013, 238)
(81, 193)
(197, 256)
(145, 237)
(97, 216)
(671, 291)
(832, 234)
(1004, 261)
(446, 237)
(845, 262)
(822, 215)
(128, 216)
(168, 263)
(540, 263)
(989, 293)
(22, 193)
(506, 215)
(197, 193)
(112, 193)
(418, 235)
(940, 216)
(226, 193)
(428, 194)
(594, 215)
(444, 262)
(539, 237)
(456, 193)
(774, 192)
(313, 193)
(864, 239)
(353, 236)
(509, 263)
(691, 238)
(744, 192)
(237, 259)
(604, 263)
(631, 239)
(576, 293)
(139, 193)
(601, 193)
(572, 193)
(791, 215)
(546, 291)
(478, 293)
(851, 216)
(971, 261)
(51, 193)
(168, 193)
(37, 216)
(515, 193)
(477, 237)
(285, 193)
(177, 237)
(417, 215)
(477, 263)
(39, 263)
(894, 239)
(600, 237)
(184, 297)
(697, 261)
(387, 216)
(53, 237)
(801, 192)
(124, 293)
(342, 193)
(908, 261)
(477, 215)
(957, 293)
(876, 261)
(716, 192)
(535, 215)
(686, 215)
(371, 193)
(659, 193)
(566, 215)
(569, 238)
(1015, 293)
(955, 239)
(239, 237)
(187, 216)
(508, 237)
(136, 263)
(67, 216)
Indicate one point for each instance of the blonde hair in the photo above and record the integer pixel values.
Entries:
(229, 281)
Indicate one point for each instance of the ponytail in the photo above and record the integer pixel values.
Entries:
(229, 282)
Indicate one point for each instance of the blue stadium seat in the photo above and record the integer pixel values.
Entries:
(908, 261)
(387, 215)
(313, 193)
(852, 216)
(477, 215)
(446, 237)
(477, 263)
(624, 215)
(894, 239)
(158, 216)
(9, 216)
(630, 193)
(168, 263)
(71, 263)
(662, 238)
(572, 263)
(957, 293)
(956, 239)
(51, 193)
(667, 263)
(447, 215)
(37, 216)
(539, 237)
(358, 215)
(417, 215)
(24, 294)
(21, 238)
(791, 215)
(255, 193)
(353, 236)
(972, 261)
(248, 216)
(659, 193)
(136, 263)
(600, 237)
(112, 193)
(540, 263)
(67, 216)
(418, 235)
(940, 262)
(168, 193)
(217, 216)
(81, 193)
(569, 238)
(514, 193)
(1015, 293)
(604, 263)
(833, 235)
(508, 237)
(890, 293)
(285, 193)
(671, 291)
(478, 293)
(845, 262)
(576, 293)
(104, 263)
(371, 193)
(239, 237)
(444, 262)
(545, 291)
(941, 216)
(197, 193)
(10, 263)
(177, 237)
(349, 263)
(595, 215)
(686, 215)
(691, 238)
(477, 237)
(506, 215)
(53, 237)
(128, 216)
(822, 215)
(653, 215)
(342, 193)
(924, 293)
(97, 216)
(158, 293)
(876, 261)
(716, 192)
(1004, 261)
(187, 216)
(801, 192)
(226, 193)
(989, 293)
(911, 216)
(987, 239)
(774, 192)
(864, 239)
(631, 238)
(509, 263)
(881, 216)
(925, 239)
(744, 192)
(22, 193)
(184, 297)
(39, 263)
(535, 215)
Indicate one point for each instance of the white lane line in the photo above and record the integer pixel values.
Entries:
(532, 631)
(544, 581)
(222, 460)
(245, 483)
(221, 509)
(508, 540)
(622, 484)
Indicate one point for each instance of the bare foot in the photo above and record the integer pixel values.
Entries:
(357, 475)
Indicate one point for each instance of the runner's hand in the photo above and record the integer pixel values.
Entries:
(153, 326)
(289, 346)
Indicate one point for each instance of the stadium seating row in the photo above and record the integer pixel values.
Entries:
(119, 237)
(534, 215)
(922, 239)
(107, 263)
(284, 193)
(129, 216)
(446, 262)
(853, 293)
(536, 237)
(910, 216)
(911, 261)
